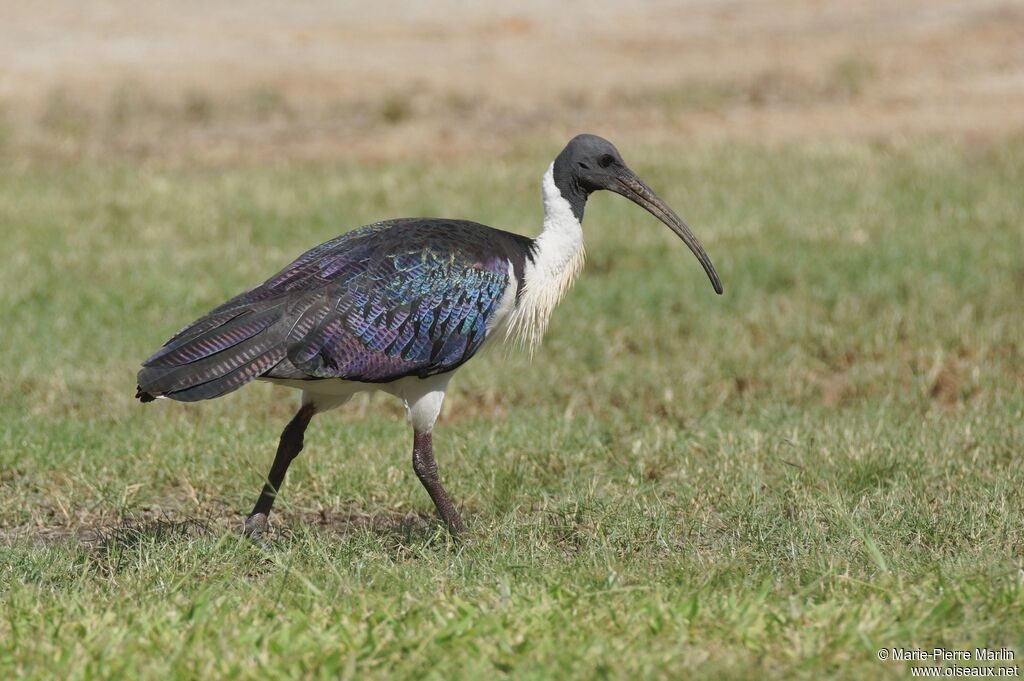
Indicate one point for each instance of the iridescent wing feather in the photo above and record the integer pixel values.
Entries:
(410, 297)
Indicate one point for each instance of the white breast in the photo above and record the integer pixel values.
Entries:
(558, 259)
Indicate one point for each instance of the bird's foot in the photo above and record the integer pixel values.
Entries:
(256, 526)
(453, 521)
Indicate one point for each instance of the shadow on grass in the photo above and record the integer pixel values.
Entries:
(113, 545)
(112, 549)
(401, 533)
(134, 532)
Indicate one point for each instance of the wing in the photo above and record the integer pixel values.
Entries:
(410, 297)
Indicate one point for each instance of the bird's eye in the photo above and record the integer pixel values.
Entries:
(606, 160)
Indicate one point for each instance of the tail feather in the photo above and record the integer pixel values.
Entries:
(243, 304)
(198, 328)
(230, 381)
(163, 380)
(216, 355)
(214, 340)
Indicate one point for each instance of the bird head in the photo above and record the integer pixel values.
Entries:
(590, 163)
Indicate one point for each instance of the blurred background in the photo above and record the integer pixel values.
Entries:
(325, 79)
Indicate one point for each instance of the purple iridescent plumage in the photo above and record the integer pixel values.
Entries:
(410, 297)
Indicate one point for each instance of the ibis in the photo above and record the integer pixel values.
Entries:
(398, 306)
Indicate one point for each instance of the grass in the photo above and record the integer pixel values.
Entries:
(775, 483)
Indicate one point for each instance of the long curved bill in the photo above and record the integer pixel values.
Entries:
(631, 186)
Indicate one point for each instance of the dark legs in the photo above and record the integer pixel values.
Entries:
(291, 444)
(426, 470)
(289, 447)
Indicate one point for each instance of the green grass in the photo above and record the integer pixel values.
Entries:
(776, 482)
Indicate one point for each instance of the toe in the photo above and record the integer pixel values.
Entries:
(256, 525)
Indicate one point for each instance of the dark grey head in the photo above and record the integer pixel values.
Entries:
(589, 163)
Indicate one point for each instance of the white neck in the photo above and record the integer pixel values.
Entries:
(557, 261)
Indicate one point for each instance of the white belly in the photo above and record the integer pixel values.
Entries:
(328, 387)
(422, 396)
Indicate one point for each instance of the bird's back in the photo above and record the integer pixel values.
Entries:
(410, 297)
